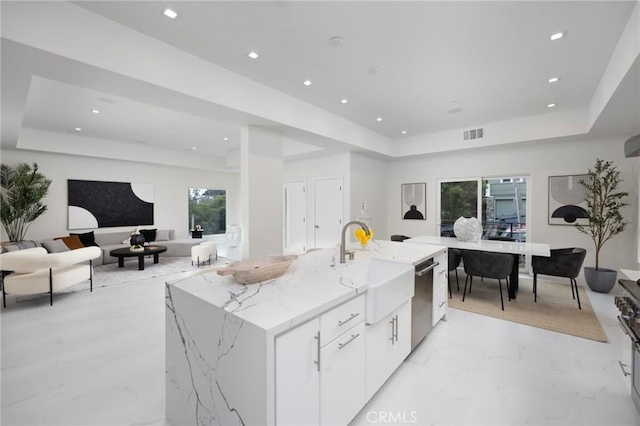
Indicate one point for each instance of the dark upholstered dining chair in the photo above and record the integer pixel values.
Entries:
(454, 258)
(488, 265)
(564, 262)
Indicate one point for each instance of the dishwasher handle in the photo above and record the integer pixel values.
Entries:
(422, 272)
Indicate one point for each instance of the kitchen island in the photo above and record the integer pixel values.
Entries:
(229, 346)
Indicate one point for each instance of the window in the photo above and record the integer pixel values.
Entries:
(208, 209)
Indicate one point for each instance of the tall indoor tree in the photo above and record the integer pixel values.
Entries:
(604, 202)
(22, 190)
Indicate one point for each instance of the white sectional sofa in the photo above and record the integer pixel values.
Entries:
(35, 271)
(164, 237)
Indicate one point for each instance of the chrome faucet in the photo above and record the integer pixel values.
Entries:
(344, 231)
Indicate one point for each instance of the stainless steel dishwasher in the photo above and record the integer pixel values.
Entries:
(422, 302)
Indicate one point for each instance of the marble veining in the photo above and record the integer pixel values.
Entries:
(209, 383)
(312, 284)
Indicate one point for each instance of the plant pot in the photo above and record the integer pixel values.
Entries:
(136, 240)
(600, 281)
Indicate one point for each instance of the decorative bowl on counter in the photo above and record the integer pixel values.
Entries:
(254, 271)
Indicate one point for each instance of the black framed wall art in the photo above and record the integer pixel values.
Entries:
(566, 200)
(98, 204)
(414, 201)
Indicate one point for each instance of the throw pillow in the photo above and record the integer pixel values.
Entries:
(55, 246)
(162, 235)
(72, 241)
(149, 235)
(87, 239)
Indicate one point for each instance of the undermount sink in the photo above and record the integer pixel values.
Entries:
(390, 285)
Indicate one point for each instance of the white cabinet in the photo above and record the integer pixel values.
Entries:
(440, 287)
(342, 377)
(321, 380)
(297, 376)
(388, 343)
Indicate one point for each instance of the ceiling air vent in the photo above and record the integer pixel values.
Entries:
(473, 134)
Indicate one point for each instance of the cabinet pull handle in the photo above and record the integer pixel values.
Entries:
(396, 328)
(622, 366)
(317, 337)
(440, 305)
(340, 323)
(393, 329)
(351, 339)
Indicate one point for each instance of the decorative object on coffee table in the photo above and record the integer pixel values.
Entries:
(136, 240)
(467, 229)
(253, 271)
(605, 219)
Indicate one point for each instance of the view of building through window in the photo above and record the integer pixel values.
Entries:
(208, 209)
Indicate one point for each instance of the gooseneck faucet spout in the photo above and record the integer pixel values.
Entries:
(342, 237)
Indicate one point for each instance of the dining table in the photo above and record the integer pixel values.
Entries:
(514, 248)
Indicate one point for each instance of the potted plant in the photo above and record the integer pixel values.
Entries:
(604, 202)
(22, 189)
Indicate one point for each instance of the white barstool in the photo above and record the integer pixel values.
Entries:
(200, 254)
(213, 248)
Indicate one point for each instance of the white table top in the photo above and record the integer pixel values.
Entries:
(486, 245)
(631, 274)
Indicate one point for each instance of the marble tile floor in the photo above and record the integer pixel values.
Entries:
(98, 359)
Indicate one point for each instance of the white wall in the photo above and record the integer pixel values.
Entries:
(337, 165)
(369, 183)
(170, 189)
(538, 161)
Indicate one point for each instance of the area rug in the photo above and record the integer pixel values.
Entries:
(105, 275)
(110, 274)
(555, 310)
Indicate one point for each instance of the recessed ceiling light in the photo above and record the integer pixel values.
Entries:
(78, 129)
(557, 36)
(404, 132)
(379, 119)
(554, 79)
(226, 139)
(344, 101)
(336, 41)
(95, 111)
(307, 83)
(170, 14)
(194, 147)
(253, 55)
(551, 105)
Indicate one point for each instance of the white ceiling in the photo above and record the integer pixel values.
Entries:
(492, 60)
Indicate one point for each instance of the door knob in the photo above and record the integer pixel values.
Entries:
(316, 226)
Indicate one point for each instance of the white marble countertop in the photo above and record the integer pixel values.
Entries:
(311, 285)
(630, 274)
(536, 249)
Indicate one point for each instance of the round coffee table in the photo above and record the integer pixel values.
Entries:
(148, 251)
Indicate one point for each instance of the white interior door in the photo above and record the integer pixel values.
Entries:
(295, 217)
(328, 207)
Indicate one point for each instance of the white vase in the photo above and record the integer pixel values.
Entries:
(467, 229)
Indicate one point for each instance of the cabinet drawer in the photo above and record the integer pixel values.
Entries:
(439, 303)
(440, 271)
(342, 377)
(341, 319)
